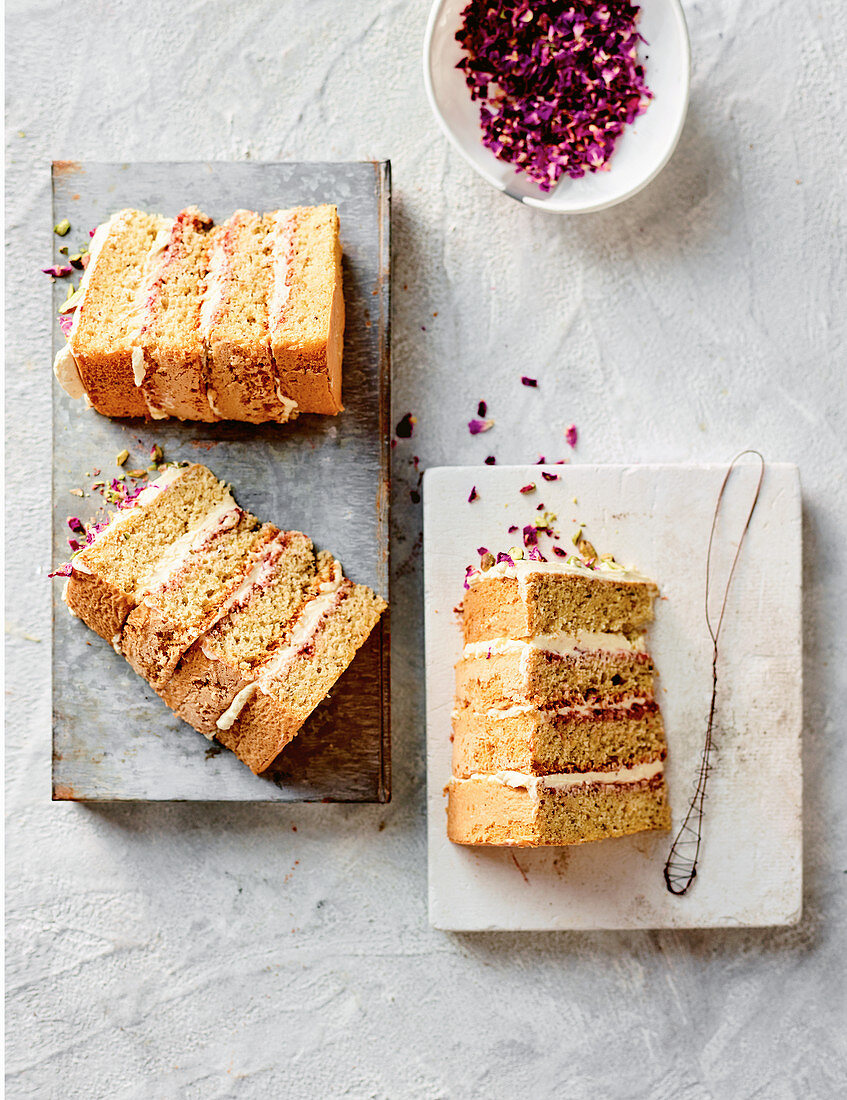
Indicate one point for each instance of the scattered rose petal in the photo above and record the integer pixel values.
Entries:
(477, 426)
(468, 574)
(528, 488)
(504, 557)
(560, 552)
(535, 554)
(63, 571)
(512, 529)
(549, 477)
(66, 323)
(405, 426)
(58, 271)
(529, 381)
(570, 435)
(474, 495)
(490, 461)
(482, 409)
(530, 535)
(482, 550)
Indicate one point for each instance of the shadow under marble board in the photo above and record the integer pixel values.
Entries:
(113, 738)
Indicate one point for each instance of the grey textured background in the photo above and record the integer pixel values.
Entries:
(211, 951)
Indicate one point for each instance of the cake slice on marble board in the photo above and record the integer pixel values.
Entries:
(557, 736)
(240, 627)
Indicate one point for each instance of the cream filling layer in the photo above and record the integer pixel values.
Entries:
(306, 626)
(224, 516)
(580, 709)
(560, 644)
(536, 784)
(65, 366)
(281, 237)
(523, 569)
(142, 312)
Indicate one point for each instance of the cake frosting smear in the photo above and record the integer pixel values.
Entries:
(557, 736)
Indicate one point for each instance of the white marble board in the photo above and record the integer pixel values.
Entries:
(656, 519)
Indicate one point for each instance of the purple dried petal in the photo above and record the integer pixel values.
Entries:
(512, 529)
(549, 477)
(482, 409)
(482, 550)
(405, 426)
(474, 495)
(560, 552)
(556, 85)
(530, 535)
(570, 434)
(66, 323)
(58, 271)
(535, 554)
(477, 426)
(504, 557)
(63, 571)
(528, 381)
(468, 574)
(490, 461)
(528, 488)
(75, 523)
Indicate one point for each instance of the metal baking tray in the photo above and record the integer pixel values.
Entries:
(113, 738)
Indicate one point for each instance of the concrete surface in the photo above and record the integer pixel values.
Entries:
(212, 951)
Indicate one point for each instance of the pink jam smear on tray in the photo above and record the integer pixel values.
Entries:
(557, 82)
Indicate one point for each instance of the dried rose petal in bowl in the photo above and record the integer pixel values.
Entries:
(557, 81)
(563, 126)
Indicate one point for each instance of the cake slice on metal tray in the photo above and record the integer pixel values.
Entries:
(306, 306)
(243, 382)
(557, 737)
(96, 361)
(179, 318)
(168, 353)
(240, 627)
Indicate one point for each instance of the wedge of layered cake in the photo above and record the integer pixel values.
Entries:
(181, 318)
(557, 736)
(240, 627)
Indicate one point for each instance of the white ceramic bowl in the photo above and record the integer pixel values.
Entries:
(641, 151)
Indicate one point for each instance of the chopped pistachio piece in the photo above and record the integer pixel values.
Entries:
(77, 493)
(486, 561)
(156, 454)
(137, 473)
(121, 457)
(62, 228)
(586, 549)
(72, 301)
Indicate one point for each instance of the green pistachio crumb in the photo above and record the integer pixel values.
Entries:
(121, 457)
(62, 228)
(157, 454)
(77, 493)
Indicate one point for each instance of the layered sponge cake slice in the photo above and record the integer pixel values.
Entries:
(177, 318)
(557, 736)
(243, 383)
(96, 362)
(306, 306)
(240, 627)
(253, 679)
(169, 354)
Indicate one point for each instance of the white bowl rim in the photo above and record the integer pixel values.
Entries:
(538, 203)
